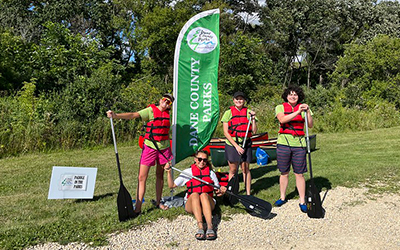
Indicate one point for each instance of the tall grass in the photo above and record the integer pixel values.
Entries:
(367, 158)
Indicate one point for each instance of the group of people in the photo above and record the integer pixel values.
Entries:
(239, 123)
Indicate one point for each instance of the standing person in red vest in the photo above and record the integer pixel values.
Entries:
(291, 144)
(235, 121)
(156, 143)
(199, 199)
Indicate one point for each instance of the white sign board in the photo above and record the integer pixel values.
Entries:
(72, 183)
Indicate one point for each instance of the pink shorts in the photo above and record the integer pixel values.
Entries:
(151, 157)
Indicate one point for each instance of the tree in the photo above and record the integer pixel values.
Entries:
(244, 64)
(13, 61)
(61, 56)
(369, 73)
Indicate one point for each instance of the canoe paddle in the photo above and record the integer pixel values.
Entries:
(124, 199)
(256, 206)
(313, 199)
(233, 184)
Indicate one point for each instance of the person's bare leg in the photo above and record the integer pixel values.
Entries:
(232, 168)
(141, 188)
(301, 187)
(246, 176)
(193, 206)
(207, 205)
(283, 183)
(160, 185)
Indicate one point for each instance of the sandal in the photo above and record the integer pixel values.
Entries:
(210, 234)
(200, 234)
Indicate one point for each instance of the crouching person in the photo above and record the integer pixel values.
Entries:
(199, 199)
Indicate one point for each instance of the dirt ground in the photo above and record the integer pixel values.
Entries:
(353, 220)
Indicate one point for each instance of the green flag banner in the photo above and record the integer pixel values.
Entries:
(196, 106)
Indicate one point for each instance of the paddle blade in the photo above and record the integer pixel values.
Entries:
(256, 206)
(233, 187)
(313, 201)
(124, 203)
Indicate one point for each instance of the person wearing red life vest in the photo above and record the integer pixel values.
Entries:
(199, 199)
(156, 143)
(235, 121)
(291, 144)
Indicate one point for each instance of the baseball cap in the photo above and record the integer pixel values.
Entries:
(239, 93)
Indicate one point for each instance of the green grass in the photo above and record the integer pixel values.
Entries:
(369, 158)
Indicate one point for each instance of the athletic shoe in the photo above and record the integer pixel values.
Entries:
(280, 202)
(303, 207)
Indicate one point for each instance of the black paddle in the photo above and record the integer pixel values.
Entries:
(256, 206)
(124, 199)
(233, 184)
(313, 199)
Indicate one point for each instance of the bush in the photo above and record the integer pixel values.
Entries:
(343, 119)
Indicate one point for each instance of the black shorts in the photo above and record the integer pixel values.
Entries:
(232, 155)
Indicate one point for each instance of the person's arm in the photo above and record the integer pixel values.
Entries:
(126, 116)
(253, 122)
(221, 190)
(287, 118)
(171, 183)
(238, 148)
(310, 119)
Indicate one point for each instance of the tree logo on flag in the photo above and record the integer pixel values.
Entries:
(202, 40)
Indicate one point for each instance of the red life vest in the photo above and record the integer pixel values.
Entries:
(237, 125)
(196, 186)
(296, 126)
(158, 128)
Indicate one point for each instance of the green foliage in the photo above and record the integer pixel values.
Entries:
(13, 61)
(243, 64)
(61, 57)
(369, 73)
(320, 97)
(336, 118)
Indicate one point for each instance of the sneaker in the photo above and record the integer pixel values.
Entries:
(303, 207)
(280, 202)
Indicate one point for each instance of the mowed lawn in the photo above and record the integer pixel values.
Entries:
(368, 158)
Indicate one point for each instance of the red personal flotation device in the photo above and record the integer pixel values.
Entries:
(237, 125)
(296, 126)
(158, 128)
(223, 178)
(196, 186)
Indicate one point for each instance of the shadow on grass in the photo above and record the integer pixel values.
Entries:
(320, 182)
(263, 183)
(260, 171)
(96, 197)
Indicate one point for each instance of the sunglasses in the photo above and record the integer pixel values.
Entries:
(202, 159)
(168, 101)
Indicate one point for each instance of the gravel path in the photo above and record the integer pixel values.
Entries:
(352, 221)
